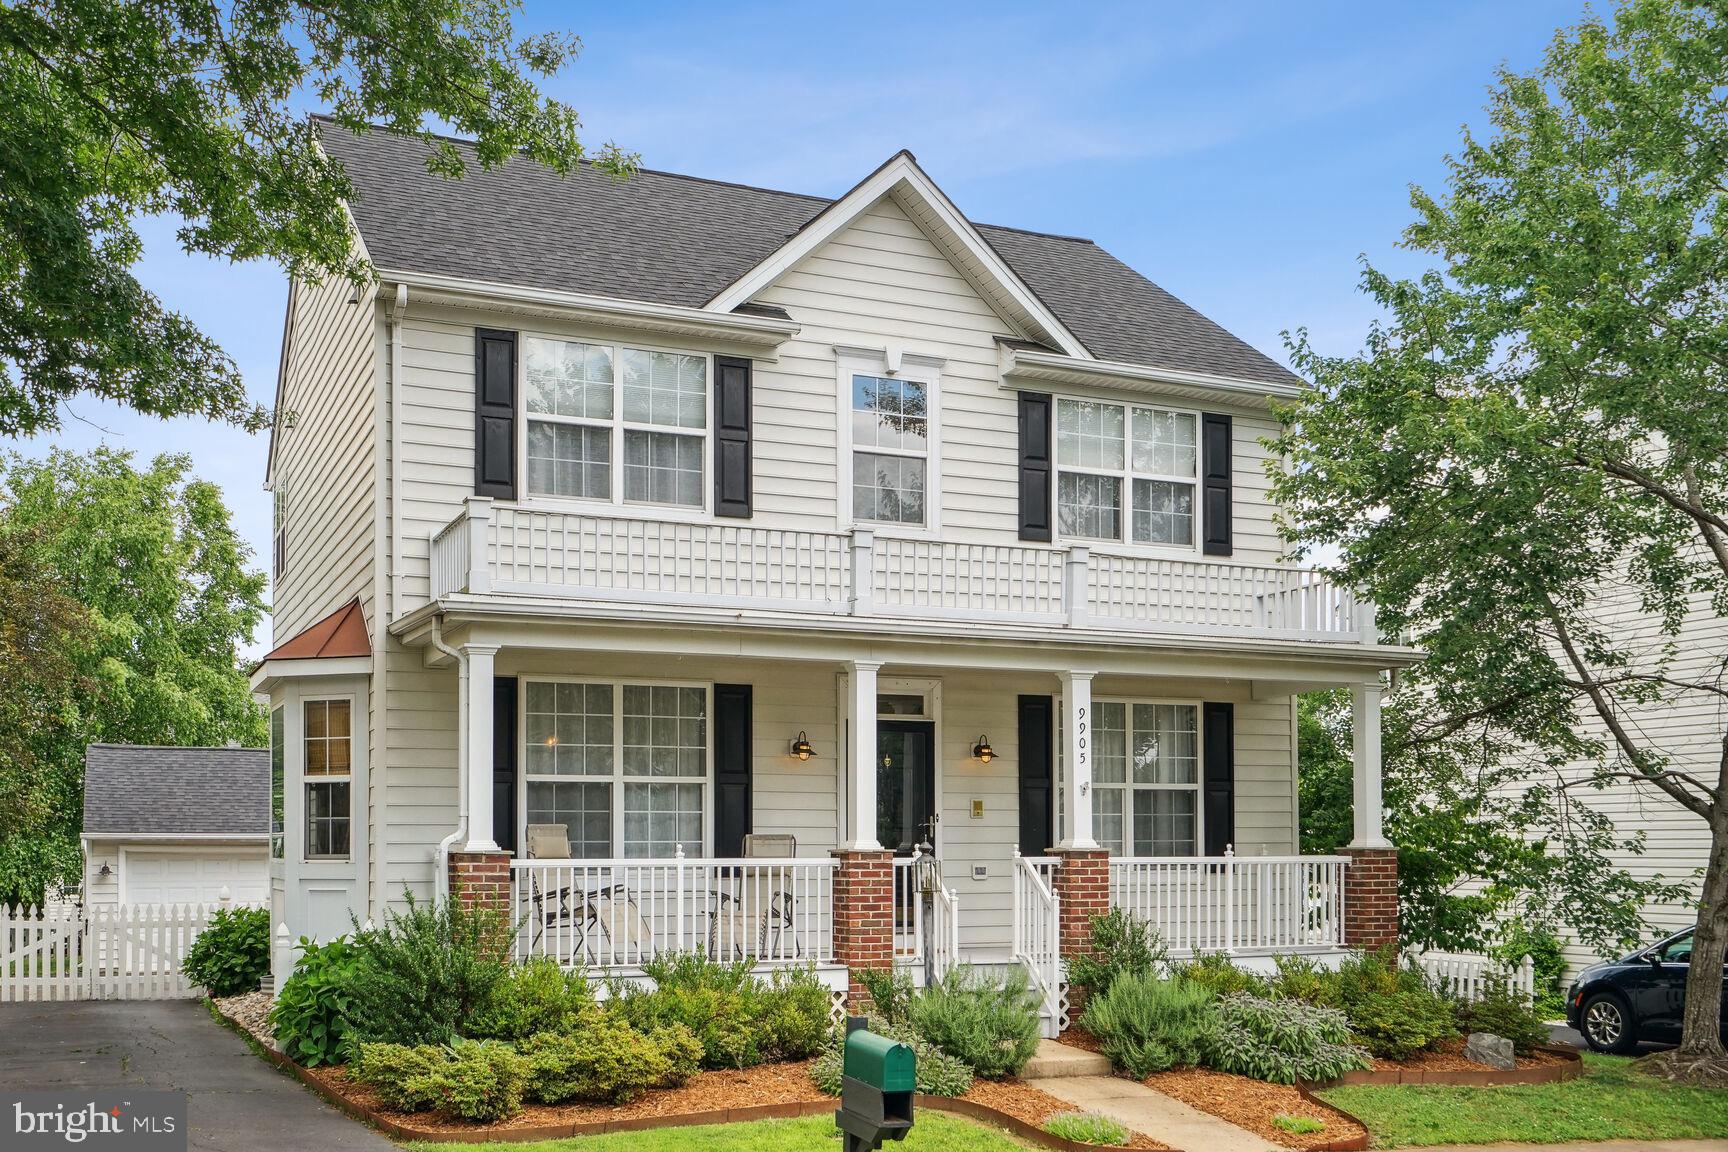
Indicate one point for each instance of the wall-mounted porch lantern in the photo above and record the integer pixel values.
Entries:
(104, 872)
(801, 747)
(982, 752)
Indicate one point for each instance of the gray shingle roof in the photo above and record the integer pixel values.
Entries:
(670, 239)
(138, 790)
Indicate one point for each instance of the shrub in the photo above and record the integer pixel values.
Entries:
(890, 991)
(480, 1080)
(232, 954)
(1503, 1012)
(1146, 1024)
(935, 1073)
(1122, 943)
(1215, 972)
(683, 1054)
(608, 1062)
(1086, 1128)
(426, 974)
(1300, 978)
(1393, 1010)
(310, 1018)
(534, 997)
(401, 1076)
(1279, 1040)
(738, 1020)
(1519, 939)
(989, 1023)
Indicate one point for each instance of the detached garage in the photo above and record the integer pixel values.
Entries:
(176, 825)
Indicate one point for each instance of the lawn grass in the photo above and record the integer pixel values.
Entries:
(1611, 1101)
(933, 1132)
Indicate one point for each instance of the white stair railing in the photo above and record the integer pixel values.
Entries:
(1037, 935)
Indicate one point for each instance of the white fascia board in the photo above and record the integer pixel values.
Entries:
(1052, 368)
(159, 838)
(900, 173)
(755, 331)
(268, 674)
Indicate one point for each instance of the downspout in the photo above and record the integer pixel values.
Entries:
(397, 311)
(441, 856)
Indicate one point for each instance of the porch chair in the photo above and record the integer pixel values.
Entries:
(608, 908)
(762, 897)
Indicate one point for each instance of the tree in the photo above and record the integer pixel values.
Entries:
(131, 593)
(1540, 425)
(117, 109)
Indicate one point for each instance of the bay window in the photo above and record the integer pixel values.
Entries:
(1126, 472)
(327, 763)
(614, 423)
(624, 767)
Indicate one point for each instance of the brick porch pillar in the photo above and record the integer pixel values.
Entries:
(1082, 892)
(863, 914)
(1371, 897)
(481, 880)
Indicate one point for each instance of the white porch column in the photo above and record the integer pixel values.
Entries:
(1365, 717)
(1076, 761)
(860, 831)
(478, 733)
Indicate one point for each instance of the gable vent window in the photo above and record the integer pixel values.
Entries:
(614, 423)
(1126, 473)
(890, 449)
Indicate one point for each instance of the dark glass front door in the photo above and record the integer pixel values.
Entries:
(905, 785)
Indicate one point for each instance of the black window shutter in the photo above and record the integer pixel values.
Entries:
(495, 413)
(731, 768)
(1037, 773)
(1035, 466)
(504, 762)
(1218, 730)
(1215, 499)
(732, 437)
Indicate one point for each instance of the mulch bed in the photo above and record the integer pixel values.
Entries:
(1078, 1037)
(1252, 1104)
(1449, 1057)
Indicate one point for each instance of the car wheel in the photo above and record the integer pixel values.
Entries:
(1607, 1025)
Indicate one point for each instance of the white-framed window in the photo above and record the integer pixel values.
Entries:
(1127, 473)
(890, 462)
(615, 423)
(278, 532)
(278, 779)
(1146, 777)
(327, 764)
(624, 767)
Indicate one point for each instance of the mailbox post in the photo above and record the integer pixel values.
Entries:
(877, 1079)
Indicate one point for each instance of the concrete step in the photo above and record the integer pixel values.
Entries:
(1053, 1060)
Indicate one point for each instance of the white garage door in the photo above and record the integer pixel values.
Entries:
(195, 877)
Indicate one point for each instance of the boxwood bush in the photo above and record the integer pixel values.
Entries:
(739, 1020)
(232, 954)
(534, 997)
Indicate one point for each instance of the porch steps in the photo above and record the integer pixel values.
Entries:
(1054, 1061)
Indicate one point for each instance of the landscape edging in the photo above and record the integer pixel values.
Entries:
(1571, 1069)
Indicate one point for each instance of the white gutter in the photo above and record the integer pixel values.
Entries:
(441, 855)
(397, 310)
(1030, 364)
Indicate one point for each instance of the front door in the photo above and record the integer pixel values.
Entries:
(905, 785)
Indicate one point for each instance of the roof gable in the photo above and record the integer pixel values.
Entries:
(665, 238)
(917, 195)
(161, 792)
(340, 634)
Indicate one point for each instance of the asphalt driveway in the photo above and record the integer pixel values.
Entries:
(235, 1101)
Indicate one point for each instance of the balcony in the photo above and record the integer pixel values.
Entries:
(503, 549)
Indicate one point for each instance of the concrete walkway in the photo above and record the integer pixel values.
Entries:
(235, 1101)
(1166, 1120)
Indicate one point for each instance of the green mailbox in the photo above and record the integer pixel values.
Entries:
(884, 1064)
(878, 1078)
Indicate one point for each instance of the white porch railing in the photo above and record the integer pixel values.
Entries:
(1466, 976)
(1037, 931)
(917, 887)
(641, 560)
(617, 913)
(1234, 903)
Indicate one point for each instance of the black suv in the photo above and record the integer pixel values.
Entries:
(1640, 996)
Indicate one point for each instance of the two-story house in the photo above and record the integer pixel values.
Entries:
(682, 564)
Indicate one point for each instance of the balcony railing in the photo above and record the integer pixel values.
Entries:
(618, 913)
(503, 548)
(1234, 903)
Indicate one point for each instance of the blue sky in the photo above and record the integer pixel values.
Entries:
(1243, 155)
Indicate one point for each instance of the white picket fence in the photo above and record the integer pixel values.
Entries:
(1464, 975)
(130, 952)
